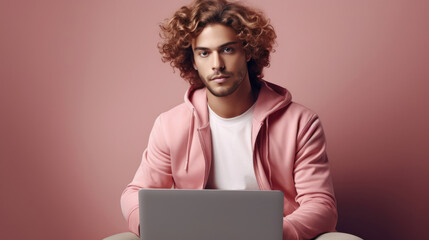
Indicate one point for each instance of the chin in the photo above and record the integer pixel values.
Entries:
(221, 92)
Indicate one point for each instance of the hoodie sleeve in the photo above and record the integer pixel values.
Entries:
(317, 212)
(154, 172)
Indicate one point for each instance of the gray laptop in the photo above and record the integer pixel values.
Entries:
(167, 214)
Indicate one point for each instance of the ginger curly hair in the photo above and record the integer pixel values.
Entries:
(252, 28)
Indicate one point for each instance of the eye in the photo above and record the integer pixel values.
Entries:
(203, 54)
(228, 50)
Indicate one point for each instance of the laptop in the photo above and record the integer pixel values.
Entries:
(210, 214)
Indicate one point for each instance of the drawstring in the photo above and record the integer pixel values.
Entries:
(267, 151)
(188, 146)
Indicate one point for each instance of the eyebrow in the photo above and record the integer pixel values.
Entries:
(221, 46)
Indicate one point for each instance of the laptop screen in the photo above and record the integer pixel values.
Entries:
(210, 214)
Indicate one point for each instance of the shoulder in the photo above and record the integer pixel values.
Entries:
(296, 112)
(178, 116)
(294, 118)
(177, 111)
(171, 124)
(300, 109)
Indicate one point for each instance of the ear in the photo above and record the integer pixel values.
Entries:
(248, 57)
(194, 65)
(193, 56)
(193, 59)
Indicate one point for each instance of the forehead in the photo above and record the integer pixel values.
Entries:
(214, 35)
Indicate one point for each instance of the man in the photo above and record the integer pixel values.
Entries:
(235, 130)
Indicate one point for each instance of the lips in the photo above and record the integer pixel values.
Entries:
(220, 79)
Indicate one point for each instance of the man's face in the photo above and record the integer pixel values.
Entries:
(220, 60)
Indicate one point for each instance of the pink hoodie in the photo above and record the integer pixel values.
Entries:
(289, 155)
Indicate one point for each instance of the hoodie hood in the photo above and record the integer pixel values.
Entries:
(271, 98)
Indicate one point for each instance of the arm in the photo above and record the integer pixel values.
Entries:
(317, 212)
(154, 172)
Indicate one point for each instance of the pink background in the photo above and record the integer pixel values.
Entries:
(82, 82)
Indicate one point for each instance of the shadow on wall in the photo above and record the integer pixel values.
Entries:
(372, 211)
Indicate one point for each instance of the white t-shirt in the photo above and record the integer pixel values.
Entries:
(232, 165)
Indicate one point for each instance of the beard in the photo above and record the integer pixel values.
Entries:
(233, 82)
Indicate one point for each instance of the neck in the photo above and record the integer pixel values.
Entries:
(234, 104)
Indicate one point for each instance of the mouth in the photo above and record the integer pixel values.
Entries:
(220, 78)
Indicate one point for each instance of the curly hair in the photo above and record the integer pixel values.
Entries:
(252, 28)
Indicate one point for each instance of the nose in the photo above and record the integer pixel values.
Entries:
(218, 63)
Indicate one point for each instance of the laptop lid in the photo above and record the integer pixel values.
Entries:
(210, 214)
